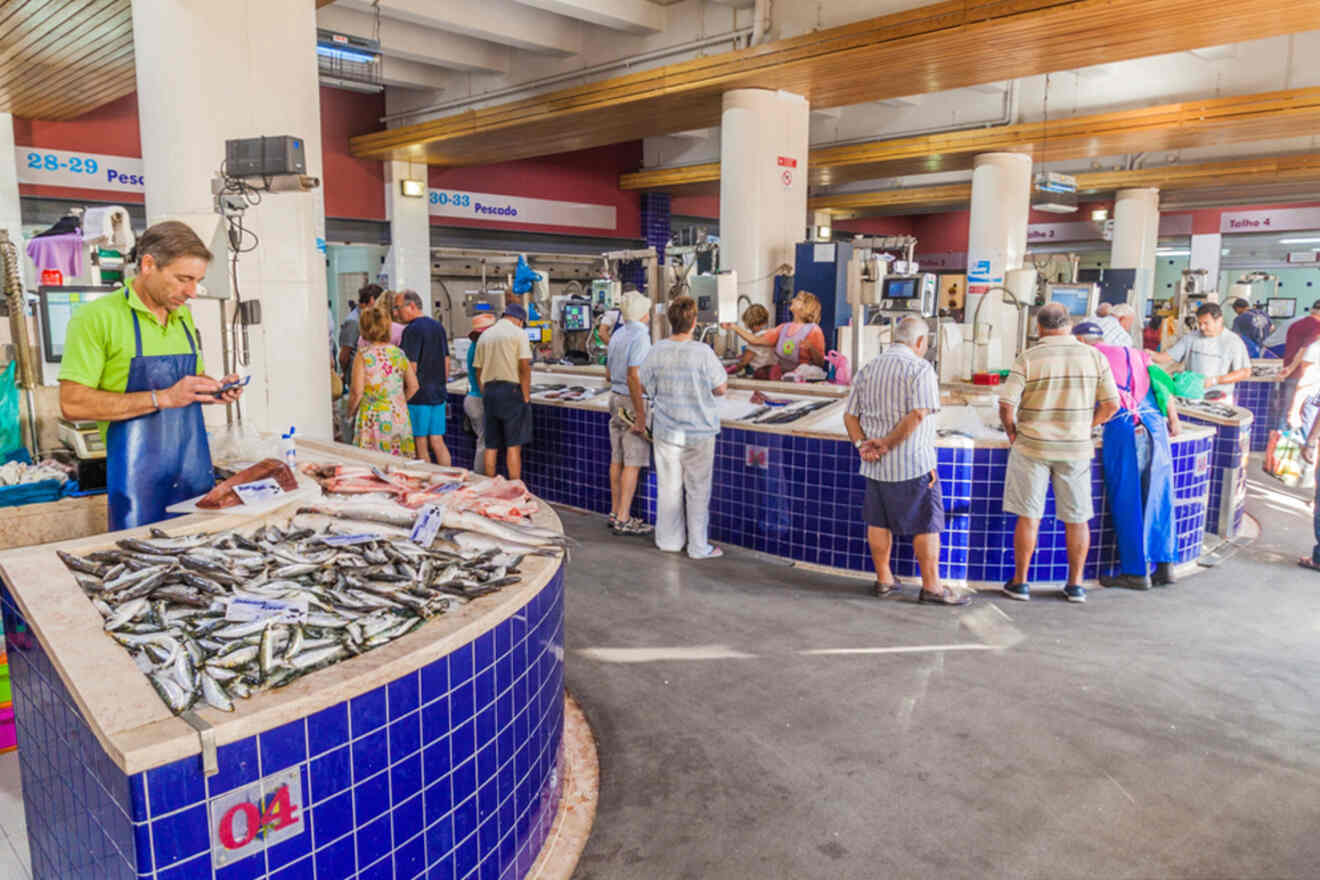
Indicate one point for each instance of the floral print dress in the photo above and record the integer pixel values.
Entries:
(382, 417)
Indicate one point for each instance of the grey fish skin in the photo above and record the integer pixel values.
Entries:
(215, 695)
(77, 563)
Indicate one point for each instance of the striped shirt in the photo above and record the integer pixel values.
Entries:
(681, 378)
(1114, 332)
(1055, 387)
(886, 390)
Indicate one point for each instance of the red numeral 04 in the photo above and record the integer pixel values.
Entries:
(279, 812)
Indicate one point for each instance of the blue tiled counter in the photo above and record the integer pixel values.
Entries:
(1262, 397)
(797, 494)
(1229, 459)
(434, 756)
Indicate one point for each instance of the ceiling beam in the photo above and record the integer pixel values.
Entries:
(630, 16)
(497, 21)
(948, 45)
(413, 42)
(411, 75)
(1264, 171)
(1180, 126)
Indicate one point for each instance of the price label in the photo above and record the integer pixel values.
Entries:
(244, 609)
(258, 490)
(349, 540)
(428, 524)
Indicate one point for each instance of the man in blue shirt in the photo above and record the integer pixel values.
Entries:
(427, 347)
(630, 451)
(683, 377)
(1253, 325)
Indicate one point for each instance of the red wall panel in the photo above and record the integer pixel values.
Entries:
(111, 129)
(590, 176)
(354, 188)
(696, 206)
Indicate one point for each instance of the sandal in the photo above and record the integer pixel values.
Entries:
(944, 597)
(1307, 562)
(883, 590)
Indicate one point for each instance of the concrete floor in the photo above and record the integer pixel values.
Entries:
(1161, 734)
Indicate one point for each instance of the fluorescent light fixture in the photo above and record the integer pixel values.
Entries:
(824, 232)
(413, 189)
(1299, 240)
(1100, 215)
(1173, 253)
(345, 55)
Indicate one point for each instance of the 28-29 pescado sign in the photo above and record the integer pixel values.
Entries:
(256, 816)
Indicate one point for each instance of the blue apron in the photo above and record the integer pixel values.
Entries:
(160, 458)
(1150, 537)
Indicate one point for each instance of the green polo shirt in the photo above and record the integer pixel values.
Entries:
(99, 345)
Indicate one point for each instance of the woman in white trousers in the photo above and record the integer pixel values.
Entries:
(683, 377)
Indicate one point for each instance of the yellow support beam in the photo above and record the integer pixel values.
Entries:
(1184, 125)
(1241, 172)
(928, 49)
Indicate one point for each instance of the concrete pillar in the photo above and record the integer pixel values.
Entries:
(996, 244)
(1206, 252)
(11, 213)
(211, 75)
(763, 186)
(408, 262)
(1136, 234)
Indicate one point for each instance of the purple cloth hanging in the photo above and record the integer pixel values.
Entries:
(63, 252)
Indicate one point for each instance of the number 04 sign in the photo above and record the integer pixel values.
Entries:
(257, 816)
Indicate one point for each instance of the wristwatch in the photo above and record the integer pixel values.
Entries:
(857, 444)
(154, 402)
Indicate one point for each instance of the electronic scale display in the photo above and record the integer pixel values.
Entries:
(1281, 307)
(900, 288)
(1078, 299)
(575, 316)
(57, 307)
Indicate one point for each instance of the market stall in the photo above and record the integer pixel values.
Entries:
(437, 745)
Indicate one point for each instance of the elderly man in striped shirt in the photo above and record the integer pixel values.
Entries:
(888, 420)
(1056, 394)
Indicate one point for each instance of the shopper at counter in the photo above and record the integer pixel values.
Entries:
(132, 362)
(630, 451)
(1057, 392)
(797, 342)
(887, 419)
(1117, 325)
(1138, 469)
(1253, 325)
(503, 366)
(683, 377)
(427, 347)
(383, 381)
(1214, 351)
(473, 406)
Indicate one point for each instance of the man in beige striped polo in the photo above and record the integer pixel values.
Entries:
(1057, 392)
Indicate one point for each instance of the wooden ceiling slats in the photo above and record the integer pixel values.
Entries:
(62, 58)
(931, 48)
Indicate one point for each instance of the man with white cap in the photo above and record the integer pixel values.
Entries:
(630, 451)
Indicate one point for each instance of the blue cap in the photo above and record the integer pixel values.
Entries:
(515, 310)
(1088, 328)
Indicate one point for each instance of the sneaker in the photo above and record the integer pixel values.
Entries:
(634, 526)
(715, 553)
(1074, 593)
(1021, 592)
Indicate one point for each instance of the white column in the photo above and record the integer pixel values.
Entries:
(763, 186)
(408, 262)
(218, 71)
(1206, 252)
(11, 213)
(1136, 234)
(996, 243)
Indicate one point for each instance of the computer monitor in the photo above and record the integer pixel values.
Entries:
(1150, 307)
(57, 307)
(1078, 299)
(575, 316)
(533, 335)
(901, 288)
(1281, 307)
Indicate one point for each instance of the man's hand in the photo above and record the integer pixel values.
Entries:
(873, 449)
(638, 427)
(192, 389)
(233, 393)
(1175, 426)
(1308, 453)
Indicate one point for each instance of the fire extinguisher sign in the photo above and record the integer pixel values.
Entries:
(257, 816)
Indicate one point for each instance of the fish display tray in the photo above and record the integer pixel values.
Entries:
(256, 508)
(31, 493)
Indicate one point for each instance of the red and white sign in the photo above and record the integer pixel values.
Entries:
(257, 816)
(1088, 230)
(52, 278)
(787, 177)
(787, 162)
(1271, 220)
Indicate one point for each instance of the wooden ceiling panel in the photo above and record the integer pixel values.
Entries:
(928, 49)
(1184, 125)
(62, 58)
(1263, 174)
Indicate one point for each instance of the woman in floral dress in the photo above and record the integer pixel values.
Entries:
(383, 380)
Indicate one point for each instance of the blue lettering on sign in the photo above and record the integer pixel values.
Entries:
(458, 200)
(81, 165)
(505, 211)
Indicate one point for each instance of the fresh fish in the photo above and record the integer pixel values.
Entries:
(215, 695)
(76, 563)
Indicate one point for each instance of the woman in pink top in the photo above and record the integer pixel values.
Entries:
(800, 341)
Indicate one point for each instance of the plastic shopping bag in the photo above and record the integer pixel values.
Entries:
(1288, 462)
(1189, 385)
(11, 431)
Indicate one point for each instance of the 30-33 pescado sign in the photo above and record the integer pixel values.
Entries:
(518, 209)
(80, 170)
(257, 816)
